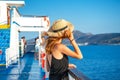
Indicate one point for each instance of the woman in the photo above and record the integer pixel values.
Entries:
(23, 46)
(59, 63)
(37, 46)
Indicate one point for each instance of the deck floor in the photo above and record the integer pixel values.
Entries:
(27, 70)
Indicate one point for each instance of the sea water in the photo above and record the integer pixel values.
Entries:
(100, 62)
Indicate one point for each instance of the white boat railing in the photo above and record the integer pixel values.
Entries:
(10, 59)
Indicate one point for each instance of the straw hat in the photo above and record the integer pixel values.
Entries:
(59, 27)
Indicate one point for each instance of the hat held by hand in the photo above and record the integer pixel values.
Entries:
(59, 27)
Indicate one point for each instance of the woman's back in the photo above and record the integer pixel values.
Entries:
(59, 68)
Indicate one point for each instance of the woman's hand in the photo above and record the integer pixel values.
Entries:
(69, 35)
(71, 66)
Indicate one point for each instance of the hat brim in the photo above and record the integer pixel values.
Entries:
(52, 33)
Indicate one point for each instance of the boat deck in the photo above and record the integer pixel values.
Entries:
(27, 70)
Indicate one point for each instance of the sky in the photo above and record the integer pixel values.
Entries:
(88, 16)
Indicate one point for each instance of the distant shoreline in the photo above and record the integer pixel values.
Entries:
(95, 45)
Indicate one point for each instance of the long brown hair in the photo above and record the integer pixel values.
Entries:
(51, 41)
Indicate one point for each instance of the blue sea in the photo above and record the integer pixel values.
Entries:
(100, 62)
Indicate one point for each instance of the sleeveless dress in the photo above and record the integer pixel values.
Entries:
(59, 68)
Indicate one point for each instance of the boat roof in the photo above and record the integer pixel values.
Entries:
(13, 3)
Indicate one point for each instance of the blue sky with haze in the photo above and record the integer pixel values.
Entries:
(94, 16)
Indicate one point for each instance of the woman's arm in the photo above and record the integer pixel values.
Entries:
(76, 53)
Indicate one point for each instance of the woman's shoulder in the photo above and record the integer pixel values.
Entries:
(59, 46)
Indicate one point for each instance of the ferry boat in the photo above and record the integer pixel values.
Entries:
(12, 66)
